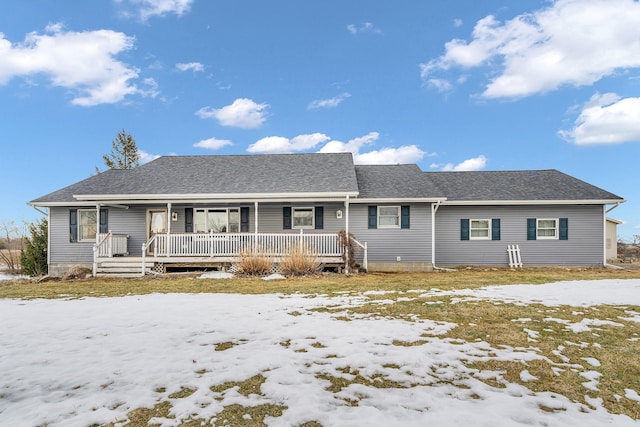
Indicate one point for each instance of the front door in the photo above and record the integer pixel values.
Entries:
(156, 224)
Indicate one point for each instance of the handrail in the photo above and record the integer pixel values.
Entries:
(96, 250)
(146, 246)
(365, 255)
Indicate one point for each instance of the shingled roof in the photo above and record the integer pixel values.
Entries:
(532, 185)
(221, 175)
(395, 181)
(311, 175)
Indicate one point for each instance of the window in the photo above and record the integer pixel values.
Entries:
(217, 220)
(389, 216)
(547, 228)
(87, 225)
(480, 229)
(303, 217)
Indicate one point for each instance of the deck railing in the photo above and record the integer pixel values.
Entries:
(234, 244)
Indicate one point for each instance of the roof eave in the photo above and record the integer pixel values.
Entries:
(534, 202)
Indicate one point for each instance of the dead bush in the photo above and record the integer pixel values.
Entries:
(254, 263)
(300, 261)
(76, 272)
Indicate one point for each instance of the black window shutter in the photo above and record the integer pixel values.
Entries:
(531, 229)
(373, 217)
(404, 217)
(244, 219)
(104, 222)
(564, 229)
(319, 213)
(286, 217)
(73, 225)
(464, 229)
(188, 220)
(495, 229)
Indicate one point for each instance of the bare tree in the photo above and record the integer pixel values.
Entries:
(124, 153)
(12, 240)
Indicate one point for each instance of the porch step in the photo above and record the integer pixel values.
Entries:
(122, 267)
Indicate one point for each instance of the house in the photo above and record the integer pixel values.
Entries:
(205, 210)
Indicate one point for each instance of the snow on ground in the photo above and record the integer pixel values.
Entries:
(80, 362)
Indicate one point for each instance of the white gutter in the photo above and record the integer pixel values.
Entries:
(532, 202)
(399, 200)
(216, 196)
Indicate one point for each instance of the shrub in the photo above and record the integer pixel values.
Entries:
(300, 261)
(254, 263)
(34, 256)
(348, 248)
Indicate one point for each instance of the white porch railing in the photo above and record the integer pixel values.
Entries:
(233, 244)
(108, 245)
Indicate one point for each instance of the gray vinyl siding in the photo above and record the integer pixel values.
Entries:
(387, 244)
(584, 247)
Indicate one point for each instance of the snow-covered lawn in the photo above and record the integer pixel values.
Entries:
(94, 360)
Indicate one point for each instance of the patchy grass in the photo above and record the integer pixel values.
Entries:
(324, 284)
(560, 354)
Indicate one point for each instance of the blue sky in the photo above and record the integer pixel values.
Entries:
(449, 85)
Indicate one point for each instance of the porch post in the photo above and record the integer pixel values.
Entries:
(169, 229)
(255, 227)
(346, 229)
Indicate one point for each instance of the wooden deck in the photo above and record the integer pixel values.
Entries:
(165, 252)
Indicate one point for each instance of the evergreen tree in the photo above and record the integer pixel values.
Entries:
(124, 153)
(33, 257)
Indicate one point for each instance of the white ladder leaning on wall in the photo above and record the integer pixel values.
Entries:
(514, 256)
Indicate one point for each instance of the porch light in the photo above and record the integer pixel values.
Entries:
(339, 214)
(174, 216)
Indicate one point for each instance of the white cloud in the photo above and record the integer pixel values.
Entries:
(457, 22)
(280, 144)
(148, 8)
(365, 27)
(146, 157)
(474, 164)
(606, 119)
(242, 113)
(571, 42)
(190, 66)
(213, 143)
(328, 103)
(406, 154)
(83, 62)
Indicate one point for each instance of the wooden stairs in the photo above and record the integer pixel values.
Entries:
(122, 267)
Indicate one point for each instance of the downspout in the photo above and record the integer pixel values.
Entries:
(434, 209)
(255, 227)
(604, 234)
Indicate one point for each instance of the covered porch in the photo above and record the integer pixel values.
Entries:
(163, 251)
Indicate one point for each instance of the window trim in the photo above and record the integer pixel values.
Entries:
(312, 209)
(398, 216)
(79, 224)
(556, 229)
(471, 229)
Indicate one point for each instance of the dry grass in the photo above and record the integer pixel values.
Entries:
(300, 261)
(254, 263)
(323, 284)
(563, 353)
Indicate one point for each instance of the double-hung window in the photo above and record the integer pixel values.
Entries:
(87, 225)
(388, 216)
(220, 220)
(547, 228)
(480, 229)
